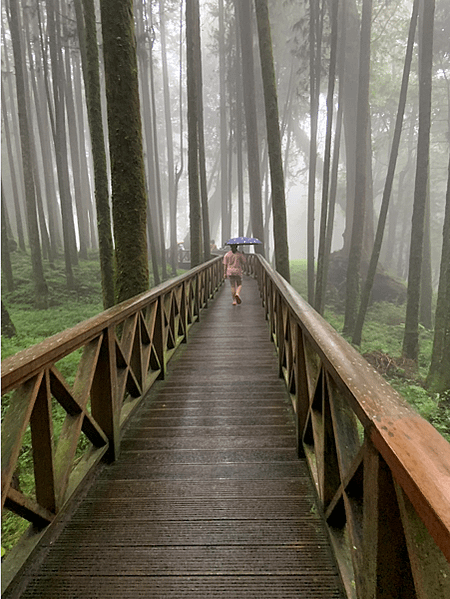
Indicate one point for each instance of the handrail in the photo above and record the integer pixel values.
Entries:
(381, 472)
(123, 351)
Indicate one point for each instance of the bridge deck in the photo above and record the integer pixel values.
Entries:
(208, 498)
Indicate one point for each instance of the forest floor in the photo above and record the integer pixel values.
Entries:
(381, 345)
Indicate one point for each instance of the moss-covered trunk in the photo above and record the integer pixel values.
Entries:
(93, 101)
(125, 147)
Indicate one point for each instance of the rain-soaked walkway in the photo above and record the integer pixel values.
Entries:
(208, 498)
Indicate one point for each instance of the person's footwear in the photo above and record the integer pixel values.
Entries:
(234, 303)
(238, 299)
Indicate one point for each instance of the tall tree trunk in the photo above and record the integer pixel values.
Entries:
(85, 165)
(160, 210)
(48, 162)
(35, 143)
(224, 181)
(180, 166)
(365, 296)
(438, 379)
(40, 284)
(94, 108)
(239, 127)
(169, 142)
(337, 146)
(426, 280)
(362, 123)
(411, 334)
(248, 74)
(129, 199)
(274, 140)
(83, 231)
(11, 117)
(6, 256)
(12, 170)
(192, 39)
(59, 133)
(152, 208)
(201, 143)
(315, 37)
(319, 299)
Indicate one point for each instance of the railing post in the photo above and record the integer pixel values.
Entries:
(301, 389)
(104, 399)
(159, 338)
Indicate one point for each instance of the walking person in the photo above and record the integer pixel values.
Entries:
(233, 263)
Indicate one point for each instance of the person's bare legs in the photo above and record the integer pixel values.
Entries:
(233, 293)
(238, 294)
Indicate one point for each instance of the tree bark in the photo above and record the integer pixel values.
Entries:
(60, 141)
(40, 284)
(94, 108)
(169, 141)
(319, 298)
(365, 296)
(362, 123)
(6, 256)
(129, 199)
(273, 140)
(438, 379)
(411, 333)
(248, 74)
(13, 173)
(192, 38)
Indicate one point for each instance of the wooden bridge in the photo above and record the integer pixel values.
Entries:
(211, 450)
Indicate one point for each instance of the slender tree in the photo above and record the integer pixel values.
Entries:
(12, 170)
(192, 39)
(226, 229)
(362, 127)
(129, 198)
(94, 108)
(40, 284)
(159, 202)
(319, 298)
(169, 141)
(6, 257)
(60, 141)
(439, 374)
(370, 277)
(273, 140)
(315, 41)
(249, 93)
(411, 334)
(201, 141)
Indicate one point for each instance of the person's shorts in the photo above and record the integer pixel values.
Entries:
(235, 280)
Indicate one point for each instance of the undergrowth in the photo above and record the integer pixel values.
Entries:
(382, 341)
(66, 309)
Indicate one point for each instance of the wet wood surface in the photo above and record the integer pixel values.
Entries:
(208, 497)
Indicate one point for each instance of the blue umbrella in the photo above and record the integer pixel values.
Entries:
(243, 241)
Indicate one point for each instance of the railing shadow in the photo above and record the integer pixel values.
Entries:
(70, 424)
(381, 472)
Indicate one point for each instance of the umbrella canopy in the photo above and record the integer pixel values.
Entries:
(243, 241)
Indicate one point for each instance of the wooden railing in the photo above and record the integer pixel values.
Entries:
(381, 472)
(120, 354)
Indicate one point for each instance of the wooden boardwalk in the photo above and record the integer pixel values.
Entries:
(208, 498)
